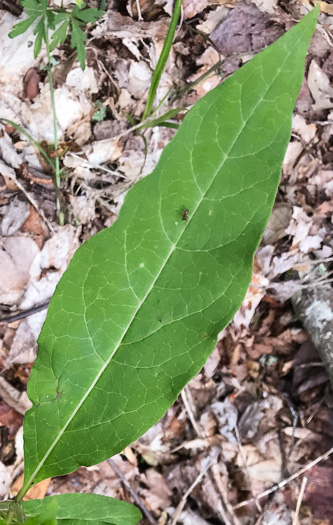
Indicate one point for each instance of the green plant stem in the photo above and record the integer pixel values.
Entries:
(19, 128)
(55, 128)
(162, 59)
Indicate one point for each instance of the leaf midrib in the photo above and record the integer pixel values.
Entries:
(201, 199)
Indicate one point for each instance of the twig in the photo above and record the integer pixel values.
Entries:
(314, 262)
(224, 508)
(299, 500)
(190, 414)
(182, 502)
(241, 450)
(136, 498)
(227, 512)
(25, 313)
(14, 9)
(96, 166)
(139, 10)
(286, 481)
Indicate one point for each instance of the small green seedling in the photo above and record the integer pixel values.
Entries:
(61, 22)
(58, 22)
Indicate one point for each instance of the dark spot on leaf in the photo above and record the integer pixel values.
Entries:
(185, 215)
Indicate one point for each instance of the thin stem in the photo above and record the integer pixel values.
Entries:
(55, 127)
(162, 59)
(42, 151)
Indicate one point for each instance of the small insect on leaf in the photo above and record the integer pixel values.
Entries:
(185, 215)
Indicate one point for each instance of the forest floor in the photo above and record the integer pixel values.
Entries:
(261, 410)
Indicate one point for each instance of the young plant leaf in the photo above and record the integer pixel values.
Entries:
(89, 15)
(74, 509)
(21, 27)
(59, 36)
(78, 39)
(50, 19)
(138, 311)
(11, 512)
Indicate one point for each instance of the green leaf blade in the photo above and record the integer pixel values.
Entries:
(89, 509)
(46, 514)
(138, 311)
(21, 27)
(89, 15)
(78, 39)
(59, 36)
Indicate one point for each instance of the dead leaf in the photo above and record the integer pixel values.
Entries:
(15, 215)
(320, 87)
(16, 258)
(226, 415)
(158, 494)
(213, 19)
(318, 491)
(277, 224)
(13, 398)
(31, 82)
(260, 473)
(266, 6)
(194, 7)
(245, 29)
(35, 225)
(326, 8)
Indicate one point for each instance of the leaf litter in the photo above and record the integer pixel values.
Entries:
(261, 408)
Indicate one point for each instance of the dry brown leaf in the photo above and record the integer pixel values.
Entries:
(320, 87)
(16, 258)
(31, 82)
(327, 8)
(194, 7)
(35, 225)
(15, 214)
(13, 398)
(277, 224)
(158, 494)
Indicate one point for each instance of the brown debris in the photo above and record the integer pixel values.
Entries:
(31, 84)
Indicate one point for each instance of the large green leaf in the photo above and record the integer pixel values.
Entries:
(88, 509)
(46, 514)
(137, 313)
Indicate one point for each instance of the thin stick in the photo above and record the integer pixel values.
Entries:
(225, 507)
(25, 313)
(55, 127)
(190, 413)
(14, 9)
(313, 261)
(241, 450)
(139, 10)
(134, 495)
(286, 481)
(41, 150)
(299, 501)
(182, 502)
(96, 166)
